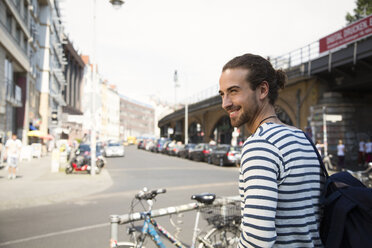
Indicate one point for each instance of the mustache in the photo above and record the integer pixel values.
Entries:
(232, 108)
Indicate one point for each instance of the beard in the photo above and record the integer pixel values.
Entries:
(247, 116)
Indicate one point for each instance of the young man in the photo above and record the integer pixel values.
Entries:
(13, 148)
(280, 180)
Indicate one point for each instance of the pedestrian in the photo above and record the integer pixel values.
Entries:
(361, 153)
(341, 154)
(2, 156)
(319, 146)
(13, 148)
(369, 151)
(280, 181)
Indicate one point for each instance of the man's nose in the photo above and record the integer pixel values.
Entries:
(226, 102)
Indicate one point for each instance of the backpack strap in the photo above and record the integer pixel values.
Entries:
(319, 157)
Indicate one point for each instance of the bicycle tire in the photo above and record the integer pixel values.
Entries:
(226, 237)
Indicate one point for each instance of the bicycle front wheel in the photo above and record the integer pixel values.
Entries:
(226, 237)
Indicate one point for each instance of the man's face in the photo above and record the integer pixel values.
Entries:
(14, 137)
(238, 99)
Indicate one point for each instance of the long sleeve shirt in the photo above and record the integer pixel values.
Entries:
(280, 186)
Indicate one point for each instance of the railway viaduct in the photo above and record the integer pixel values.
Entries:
(332, 87)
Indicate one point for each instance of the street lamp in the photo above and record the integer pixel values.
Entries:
(175, 79)
(117, 3)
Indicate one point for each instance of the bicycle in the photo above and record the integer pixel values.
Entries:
(222, 214)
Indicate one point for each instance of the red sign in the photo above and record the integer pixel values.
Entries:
(347, 35)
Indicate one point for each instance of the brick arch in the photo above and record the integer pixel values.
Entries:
(223, 136)
(285, 111)
(210, 120)
(285, 106)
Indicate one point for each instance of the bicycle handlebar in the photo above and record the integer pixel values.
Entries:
(149, 195)
(127, 218)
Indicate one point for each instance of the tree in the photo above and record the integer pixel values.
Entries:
(363, 9)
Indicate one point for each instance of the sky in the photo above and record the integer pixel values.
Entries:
(139, 46)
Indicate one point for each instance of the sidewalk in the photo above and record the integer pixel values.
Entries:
(36, 185)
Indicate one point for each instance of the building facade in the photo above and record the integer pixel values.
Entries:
(31, 66)
(72, 115)
(51, 67)
(110, 114)
(15, 65)
(91, 104)
(136, 119)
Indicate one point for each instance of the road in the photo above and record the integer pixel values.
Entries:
(85, 222)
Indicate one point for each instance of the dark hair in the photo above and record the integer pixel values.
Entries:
(260, 70)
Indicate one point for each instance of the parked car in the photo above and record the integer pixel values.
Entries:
(175, 150)
(83, 147)
(201, 152)
(150, 144)
(225, 155)
(114, 149)
(160, 144)
(184, 152)
(140, 144)
(131, 140)
(168, 146)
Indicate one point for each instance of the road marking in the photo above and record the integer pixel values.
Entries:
(131, 193)
(47, 235)
(171, 168)
(174, 188)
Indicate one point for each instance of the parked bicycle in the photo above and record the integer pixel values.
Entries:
(222, 215)
(365, 176)
(330, 163)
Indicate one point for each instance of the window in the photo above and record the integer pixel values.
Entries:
(18, 4)
(25, 11)
(25, 42)
(9, 22)
(8, 72)
(18, 34)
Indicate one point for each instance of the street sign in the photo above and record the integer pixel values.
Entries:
(347, 35)
(333, 118)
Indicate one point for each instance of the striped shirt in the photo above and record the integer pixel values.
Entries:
(280, 184)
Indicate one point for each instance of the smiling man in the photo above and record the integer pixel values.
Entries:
(280, 180)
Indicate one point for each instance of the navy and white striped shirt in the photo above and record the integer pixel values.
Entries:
(280, 184)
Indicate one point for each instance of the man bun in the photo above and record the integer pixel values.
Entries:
(281, 78)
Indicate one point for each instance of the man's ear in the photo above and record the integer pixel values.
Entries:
(263, 89)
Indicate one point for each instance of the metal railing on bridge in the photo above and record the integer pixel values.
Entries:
(292, 62)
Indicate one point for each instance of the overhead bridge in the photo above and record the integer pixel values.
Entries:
(336, 82)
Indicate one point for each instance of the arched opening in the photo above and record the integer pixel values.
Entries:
(222, 131)
(196, 135)
(178, 134)
(283, 116)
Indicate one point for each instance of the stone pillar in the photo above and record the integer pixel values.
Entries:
(349, 128)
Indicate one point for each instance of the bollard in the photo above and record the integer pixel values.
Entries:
(55, 160)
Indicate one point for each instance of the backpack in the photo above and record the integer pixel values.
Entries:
(347, 211)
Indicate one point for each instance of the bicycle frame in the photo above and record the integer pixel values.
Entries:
(150, 226)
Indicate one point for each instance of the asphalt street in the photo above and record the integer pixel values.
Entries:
(74, 210)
